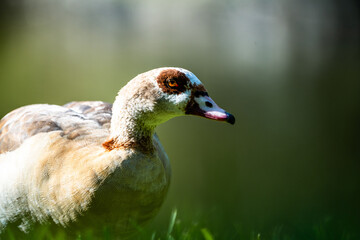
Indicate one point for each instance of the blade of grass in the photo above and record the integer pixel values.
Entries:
(206, 234)
(172, 223)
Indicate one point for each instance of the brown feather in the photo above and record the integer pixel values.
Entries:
(23, 123)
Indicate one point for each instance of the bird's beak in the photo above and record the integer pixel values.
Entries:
(204, 106)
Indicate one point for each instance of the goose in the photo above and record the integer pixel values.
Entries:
(92, 163)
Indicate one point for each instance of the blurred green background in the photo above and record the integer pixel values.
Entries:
(288, 70)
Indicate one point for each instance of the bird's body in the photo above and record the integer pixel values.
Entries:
(86, 164)
(62, 154)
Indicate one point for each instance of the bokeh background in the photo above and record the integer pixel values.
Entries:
(288, 70)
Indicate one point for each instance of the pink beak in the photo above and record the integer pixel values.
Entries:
(205, 107)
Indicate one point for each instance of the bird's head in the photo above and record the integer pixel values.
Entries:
(163, 93)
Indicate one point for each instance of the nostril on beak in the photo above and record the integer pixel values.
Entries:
(208, 104)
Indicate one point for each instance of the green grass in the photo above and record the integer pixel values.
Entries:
(326, 229)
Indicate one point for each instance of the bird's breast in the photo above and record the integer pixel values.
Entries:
(132, 194)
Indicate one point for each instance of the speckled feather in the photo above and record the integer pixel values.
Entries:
(75, 119)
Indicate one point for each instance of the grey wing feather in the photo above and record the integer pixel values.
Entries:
(95, 110)
(75, 119)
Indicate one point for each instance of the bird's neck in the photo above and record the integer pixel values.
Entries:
(129, 129)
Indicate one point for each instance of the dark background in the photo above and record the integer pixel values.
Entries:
(288, 70)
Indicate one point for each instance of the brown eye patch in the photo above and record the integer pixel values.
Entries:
(172, 81)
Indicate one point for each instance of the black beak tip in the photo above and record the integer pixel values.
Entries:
(230, 118)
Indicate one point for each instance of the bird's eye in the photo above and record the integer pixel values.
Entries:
(172, 83)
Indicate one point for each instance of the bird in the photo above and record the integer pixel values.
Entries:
(90, 163)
